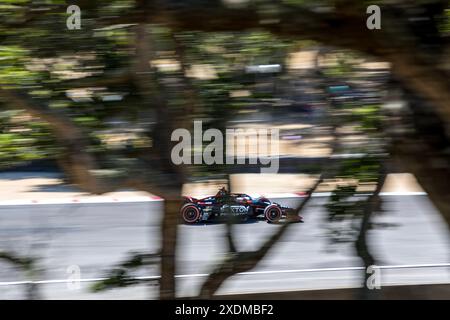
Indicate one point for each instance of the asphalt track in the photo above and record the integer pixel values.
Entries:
(410, 241)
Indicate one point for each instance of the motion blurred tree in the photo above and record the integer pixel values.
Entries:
(112, 92)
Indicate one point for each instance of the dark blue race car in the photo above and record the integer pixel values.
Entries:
(240, 205)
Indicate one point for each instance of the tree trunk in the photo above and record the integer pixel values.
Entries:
(168, 251)
(362, 249)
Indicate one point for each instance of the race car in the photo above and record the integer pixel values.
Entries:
(238, 205)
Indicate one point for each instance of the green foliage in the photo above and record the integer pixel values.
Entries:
(22, 141)
(445, 24)
(49, 63)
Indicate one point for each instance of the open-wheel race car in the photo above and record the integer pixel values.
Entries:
(238, 205)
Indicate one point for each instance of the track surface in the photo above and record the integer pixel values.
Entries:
(95, 237)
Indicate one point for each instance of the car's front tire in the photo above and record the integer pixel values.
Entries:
(273, 213)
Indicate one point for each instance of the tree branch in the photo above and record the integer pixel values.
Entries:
(373, 203)
(81, 166)
(237, 262)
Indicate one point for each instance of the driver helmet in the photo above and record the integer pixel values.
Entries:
(222, 192)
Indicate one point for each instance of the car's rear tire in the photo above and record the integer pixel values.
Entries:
(190, 213)
(273, 213)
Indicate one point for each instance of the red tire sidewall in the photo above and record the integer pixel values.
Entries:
(187, 207)
(268, 209)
